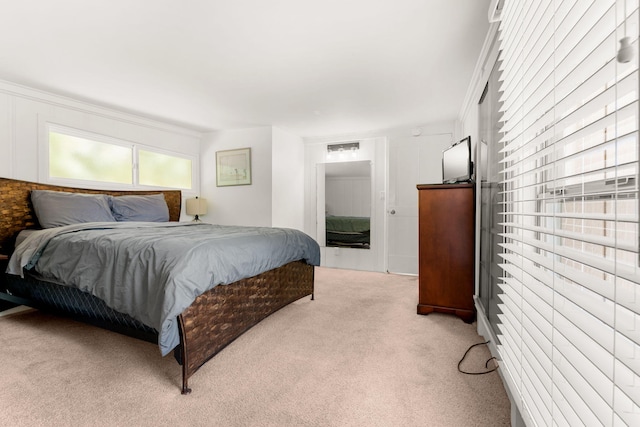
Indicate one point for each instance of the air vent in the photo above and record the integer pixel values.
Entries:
(345, 146)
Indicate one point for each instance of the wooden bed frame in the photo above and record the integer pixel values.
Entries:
(215, 318)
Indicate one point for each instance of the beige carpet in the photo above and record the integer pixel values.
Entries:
(358, 355)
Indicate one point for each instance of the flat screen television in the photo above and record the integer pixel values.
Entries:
(457, 165)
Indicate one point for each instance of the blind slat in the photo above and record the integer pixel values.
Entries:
(569, 328)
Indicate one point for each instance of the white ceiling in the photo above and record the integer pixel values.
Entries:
(315, 68)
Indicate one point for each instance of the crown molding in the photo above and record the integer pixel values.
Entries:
(50, 98)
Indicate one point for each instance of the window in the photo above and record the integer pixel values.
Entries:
(570, 324)
(77, 155)
(73, 157)
(164, 170)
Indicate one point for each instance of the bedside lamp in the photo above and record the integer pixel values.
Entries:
(196, 207)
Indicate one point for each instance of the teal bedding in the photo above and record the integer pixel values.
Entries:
(348, 231)
(348, 224)
(154, 271)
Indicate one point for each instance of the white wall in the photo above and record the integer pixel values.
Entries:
(240, 204)
(287, 157)
(348, 196)
(467, 123)
(374, 147)
(25, 113)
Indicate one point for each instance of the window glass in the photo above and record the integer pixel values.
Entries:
(73, 157)
(83, 157)
(164, 170)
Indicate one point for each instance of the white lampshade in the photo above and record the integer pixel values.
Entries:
(196, 206)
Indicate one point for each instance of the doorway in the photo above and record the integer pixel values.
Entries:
(348, 205)
(346, 215)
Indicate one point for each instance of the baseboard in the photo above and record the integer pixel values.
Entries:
(484, 328)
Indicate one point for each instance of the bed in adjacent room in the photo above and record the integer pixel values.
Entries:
(121, 260)
(348, 231)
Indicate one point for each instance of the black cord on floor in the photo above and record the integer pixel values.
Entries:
(486, 365)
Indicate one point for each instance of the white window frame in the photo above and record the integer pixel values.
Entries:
(135, 147)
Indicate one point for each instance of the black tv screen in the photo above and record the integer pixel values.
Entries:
(456, 162)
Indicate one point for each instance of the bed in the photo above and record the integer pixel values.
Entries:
(348, 231)
(199, 309)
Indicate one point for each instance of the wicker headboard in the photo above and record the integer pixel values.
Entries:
(16, 210)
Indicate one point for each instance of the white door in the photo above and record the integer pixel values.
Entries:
(413, 161)
(320, 203)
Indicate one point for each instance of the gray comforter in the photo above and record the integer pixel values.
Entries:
(153, 271)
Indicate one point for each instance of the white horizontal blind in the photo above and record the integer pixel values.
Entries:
(570, 323)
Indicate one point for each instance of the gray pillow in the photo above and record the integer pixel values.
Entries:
(58, 208)
(152, 208)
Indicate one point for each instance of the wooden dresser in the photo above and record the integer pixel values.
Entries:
(446, 255)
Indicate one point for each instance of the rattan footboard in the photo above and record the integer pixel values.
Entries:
(215, 318)
(225, 312)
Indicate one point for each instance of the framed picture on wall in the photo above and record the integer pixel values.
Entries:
(233, 167)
